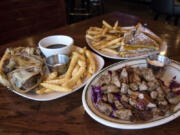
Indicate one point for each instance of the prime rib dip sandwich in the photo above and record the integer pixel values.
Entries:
(21, 69)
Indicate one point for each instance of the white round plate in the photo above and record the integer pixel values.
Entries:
(116, 57)
(51, 96)
(172, 70)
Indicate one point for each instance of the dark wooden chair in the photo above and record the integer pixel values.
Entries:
(20, 18)
(166, 7)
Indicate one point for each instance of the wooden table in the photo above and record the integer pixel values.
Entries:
(65, 116)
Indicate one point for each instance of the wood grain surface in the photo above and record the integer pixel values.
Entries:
(66, 116)
(22, 18)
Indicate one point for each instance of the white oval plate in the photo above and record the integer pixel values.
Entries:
(172, 70)
(116, 57)
(51, 96)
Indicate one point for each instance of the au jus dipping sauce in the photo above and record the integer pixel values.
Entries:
(55, 46)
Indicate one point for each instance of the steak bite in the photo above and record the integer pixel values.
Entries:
(124, 98)
(112, 88)
(124, 88)
(154, 94)
(145, 115)
(132, 102)
(143, 86)
(104, 79)
(105, 108)
(133, 86)
(133, 94)
(124, 114)
(111, 98)
(147, 74)
(152, 85)
(124, 76)
(174, 100)
(118, 105)
(115, 79)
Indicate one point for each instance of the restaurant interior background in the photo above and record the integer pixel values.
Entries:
(22, 18)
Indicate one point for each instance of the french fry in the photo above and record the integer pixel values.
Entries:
(104, 31)
(115, 46)
(110, 37)
(96, 28)
(110, 43)
(113, 31)
(115, 25)
(89, 37)
(99, 43)
(82, 50)
(44, 91)
(61, 76)
(40, 91)
(92, 63)
(106, 24)
(56, 81)
(75, 70)
(93, 32)
(89, 75)
(81, 63)
(72, 82)
(113, 41)
(79, 82)
(110, 51)
(80, 56)
(122, 42)
(52, 75)
(56, 87)
(72, 64)
(99, 37)
(48, 91)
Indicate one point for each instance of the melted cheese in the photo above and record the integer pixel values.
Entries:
(135, 47)
(21, 76)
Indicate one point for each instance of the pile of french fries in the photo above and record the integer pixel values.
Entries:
(108, 38)
(82, 65)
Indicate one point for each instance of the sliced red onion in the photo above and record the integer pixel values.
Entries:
(178, 92)
(110, 72)
(174, 84)
(112, 115)
(96, 94)
(118, 96)
(174, 78)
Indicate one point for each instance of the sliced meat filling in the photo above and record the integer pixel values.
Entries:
(31, 82)
(24, 79)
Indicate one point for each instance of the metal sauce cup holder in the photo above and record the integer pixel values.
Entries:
(57, 63)
(157, 62)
